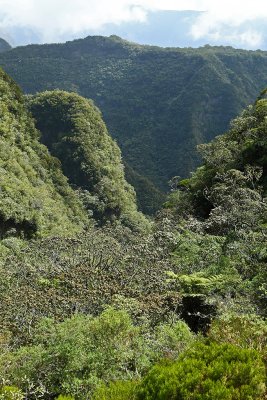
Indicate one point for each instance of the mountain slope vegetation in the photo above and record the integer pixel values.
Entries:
(158, 103)
(225, 199)
(176, 312)
(94, 305)
(234, 163)
(35, 197)
(73, 130)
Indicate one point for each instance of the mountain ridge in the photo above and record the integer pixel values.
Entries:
(158, 103)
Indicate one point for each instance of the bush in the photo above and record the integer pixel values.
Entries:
(207, 372)
(10, 393)
(170, 340)
(120, 390)
(247, 331)
(78, 355)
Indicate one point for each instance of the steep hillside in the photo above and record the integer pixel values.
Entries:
(35, 197)
(229, 190)
(73, 130)
(149, 197)
(158, 103)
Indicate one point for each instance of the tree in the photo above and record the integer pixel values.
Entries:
(237, 204)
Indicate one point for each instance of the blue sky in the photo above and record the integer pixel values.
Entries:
(180, 23)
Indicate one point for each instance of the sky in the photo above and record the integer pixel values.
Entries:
(180, 23)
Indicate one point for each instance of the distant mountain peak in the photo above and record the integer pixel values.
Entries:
(4, 45)
(117, 38)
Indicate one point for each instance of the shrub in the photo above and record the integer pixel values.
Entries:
(247, 331)
(120, 390)
(170, 340)
(207, 372)
(78, 355)
(10, 393)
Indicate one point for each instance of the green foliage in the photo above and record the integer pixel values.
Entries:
(169, 340)
(73, 130)
(247, 331)
(119, 390)
(77, 354)
(207, 371)
(59, 278)
(56, 277)
(228, 190)
(236, 206)
(199, 284)
(196, 251)
(35, 197)
(10, 393)
(222, 210)
(149, 197)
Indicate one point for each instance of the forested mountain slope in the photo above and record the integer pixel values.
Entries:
(231, 185)
(35, 197)
(73, 130)
(158, 103)
(175, 312)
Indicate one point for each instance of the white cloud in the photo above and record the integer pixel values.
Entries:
(230, 21)
(55, 18)
(251, 38)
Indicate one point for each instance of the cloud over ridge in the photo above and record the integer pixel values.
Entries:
(235, 21)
